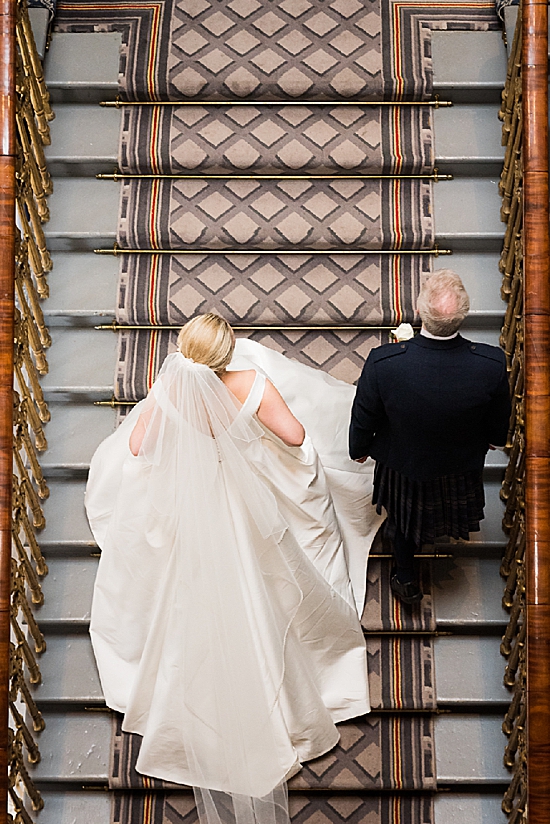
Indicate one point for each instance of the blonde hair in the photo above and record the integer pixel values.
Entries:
(443, 303)
(207, 339)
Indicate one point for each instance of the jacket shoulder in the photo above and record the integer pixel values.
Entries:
(484, 350)
(387, 350)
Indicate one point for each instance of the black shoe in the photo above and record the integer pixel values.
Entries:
(408, 593)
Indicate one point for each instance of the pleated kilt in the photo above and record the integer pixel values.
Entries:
(451, 505)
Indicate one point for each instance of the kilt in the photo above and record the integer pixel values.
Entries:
(451, 505)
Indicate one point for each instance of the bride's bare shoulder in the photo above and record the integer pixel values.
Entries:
(239, 382)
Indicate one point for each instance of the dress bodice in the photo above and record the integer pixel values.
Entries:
(254, 397)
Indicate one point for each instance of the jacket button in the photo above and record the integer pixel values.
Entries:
(402, 346)
(473, 347)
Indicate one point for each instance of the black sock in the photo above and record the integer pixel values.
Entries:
(403, 553)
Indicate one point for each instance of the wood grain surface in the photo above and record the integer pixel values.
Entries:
(537, 404)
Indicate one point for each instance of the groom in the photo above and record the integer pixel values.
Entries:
(427, 411)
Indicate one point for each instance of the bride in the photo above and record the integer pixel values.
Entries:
(225, 617)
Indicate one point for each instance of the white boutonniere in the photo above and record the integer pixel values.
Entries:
(403, 332)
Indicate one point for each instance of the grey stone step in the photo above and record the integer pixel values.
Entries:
(466, 808)
(81, 364)
(84, 140)
(40, 23)
(83, 288)
(467, 591)
(75, 748)
(83, 214)
(468, 670)
(74, 433)
(467, 139)
(466, 214)
(469, 749)
(469, 66)
(68, 589)
(83, 67)
(62, 806)
(76, 806)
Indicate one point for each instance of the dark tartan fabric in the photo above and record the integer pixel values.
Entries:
(426, 510)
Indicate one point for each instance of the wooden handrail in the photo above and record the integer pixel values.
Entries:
(537, 404)
(7, 280)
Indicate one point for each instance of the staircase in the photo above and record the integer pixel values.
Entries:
(81, 70)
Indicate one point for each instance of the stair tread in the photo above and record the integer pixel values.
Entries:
(467, 134)
(83, 288)
(466, 214)
(83, 60)
(469, 668)
(85, 137)
(468, 65)
(80, 358)
(454, 808)
(75, 748)
(71, 227)
(69, 673)
(467, 590)
(74, 433)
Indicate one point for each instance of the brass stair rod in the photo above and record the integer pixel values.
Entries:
(130, 176)
(117, 103)
(118, 250)
(121, 327)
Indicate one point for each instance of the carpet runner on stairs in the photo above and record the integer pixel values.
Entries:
(325, 58)
(276, 140)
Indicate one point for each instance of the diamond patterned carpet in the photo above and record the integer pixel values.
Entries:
(275, 214)
(279, 140)
(272, 289)
(312, 253)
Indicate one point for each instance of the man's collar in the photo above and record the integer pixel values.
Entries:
(434, 343)
(427, 334)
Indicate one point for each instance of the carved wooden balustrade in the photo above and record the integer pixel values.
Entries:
(526, 487)
(24, 339)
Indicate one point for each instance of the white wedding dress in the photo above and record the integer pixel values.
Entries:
(225, 617)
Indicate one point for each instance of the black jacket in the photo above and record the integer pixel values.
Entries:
(428, 408)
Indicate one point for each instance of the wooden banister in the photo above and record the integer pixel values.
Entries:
(7, 279)
(537, 404)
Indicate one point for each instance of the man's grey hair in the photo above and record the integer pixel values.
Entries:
(443, 303)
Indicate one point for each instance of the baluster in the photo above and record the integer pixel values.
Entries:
(35, 95)
(20, 685)
(23, 438)
(513, 660)
(17, 767)
(23, 273)
(22, 815)
(35, 62)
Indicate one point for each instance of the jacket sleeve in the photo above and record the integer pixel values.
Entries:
(367, 412)
(498, 412)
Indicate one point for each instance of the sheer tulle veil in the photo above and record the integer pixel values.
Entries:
(221, 678)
